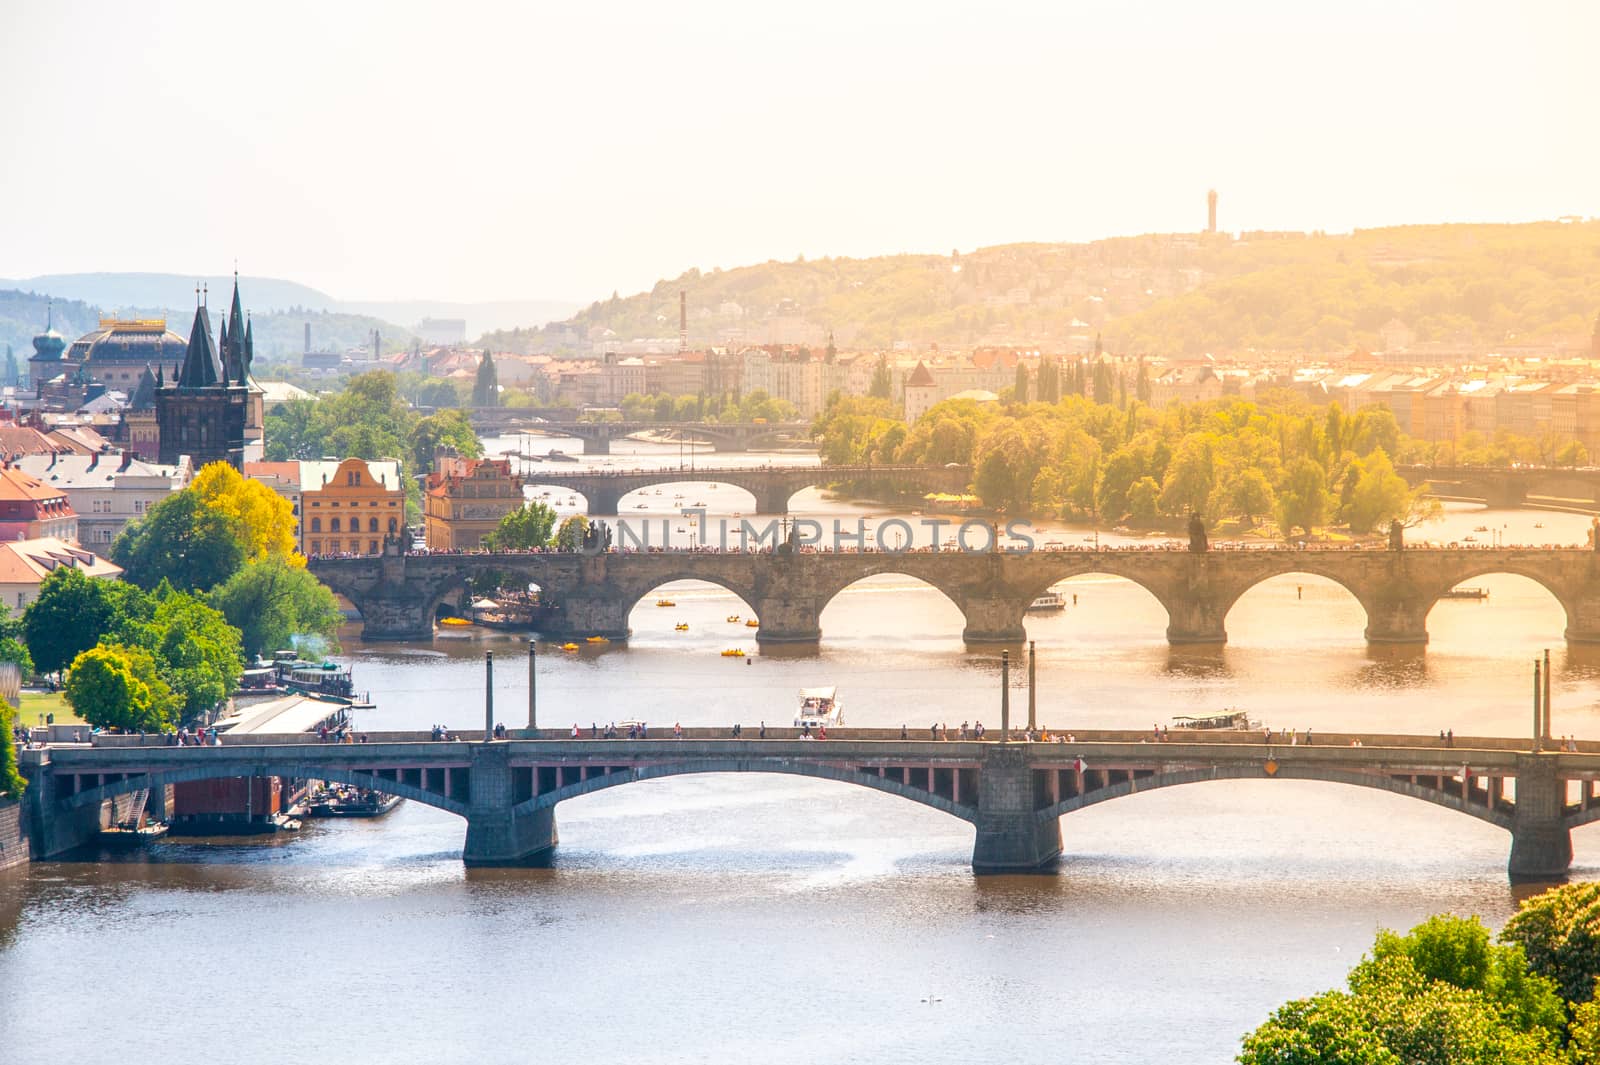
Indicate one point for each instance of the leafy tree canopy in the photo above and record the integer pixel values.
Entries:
(521, 529)
(112, 686)
(184, 541)
(71, 614)
(275, 605)
(265, 519)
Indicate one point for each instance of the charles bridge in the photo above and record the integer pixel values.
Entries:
(772, 486)
(1014, 794)
(598, 435)
(398, 594)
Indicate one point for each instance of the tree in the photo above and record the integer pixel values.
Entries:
(275, 606)
(181, 540)
(118, 687)
(1019, 391)
(446, 429)
(486, 386)
(1250, 495)
(13, 372)
(12, 782)
(1190, 478)
(1141, 386)
(13, 642)
(1560, 933)
(882, 383)
(1144, 500)
(1102, 380)
(265, 519)
(528, 526)
(196, 652)
(1302, 497)
(71, 614)
(570, 536)
(1379, 495)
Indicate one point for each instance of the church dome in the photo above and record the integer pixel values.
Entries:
(137, 341)
(48, 345)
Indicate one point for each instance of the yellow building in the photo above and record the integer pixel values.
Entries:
(465, 500)
(350, 507)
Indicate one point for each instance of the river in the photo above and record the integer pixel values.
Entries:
(726, 918)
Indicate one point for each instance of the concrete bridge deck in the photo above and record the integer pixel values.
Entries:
(597, 436)
(1014, 794)
(398, 595)
(772, 486)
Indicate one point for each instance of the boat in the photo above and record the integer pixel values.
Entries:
(127, 837)
(733, 652)
(665, 602)
(819, 707)
(642, 506)
(1480, 528)
(697, 503)
(752, 623)
(557, 455)
(733, 619)
(682, 626)
(569, 647)
(1231, 718)
(345, 801)
(1047, 602)
(597, 639)
(1466, 593)
(1538, 525)
(1469, 539)
(313, 678)
(455, 621)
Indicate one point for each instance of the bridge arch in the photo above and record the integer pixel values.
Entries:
(816, 770)
(1377, 781)
(1323, 579)
(1147, 591)
(829, 596)
(1435, 594)
(296, 770)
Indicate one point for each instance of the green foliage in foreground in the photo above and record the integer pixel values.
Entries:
(118, 687)
(272, 602)
(1445, 994)
(11, 780)
(530, 526)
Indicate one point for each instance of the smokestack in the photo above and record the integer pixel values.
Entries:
(1211, 211)
(683, 321)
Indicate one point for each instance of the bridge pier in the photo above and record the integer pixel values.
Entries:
(786, 620)
(590, 615)
(1397, 621)
(1194, 619)
(1541, 843)
(496, 834)
(1012, 837)
(1504, 493)
(604, 501)
(995, 619)
(773, 500)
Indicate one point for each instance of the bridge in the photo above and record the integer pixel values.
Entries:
(1013, 794)
(398, 595)
(1503, 488)
(598, 435)
(772, 486)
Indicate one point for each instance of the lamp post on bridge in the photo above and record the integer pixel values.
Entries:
(488, 696)
(1033, 722)
(533, 716)
(1005, 696)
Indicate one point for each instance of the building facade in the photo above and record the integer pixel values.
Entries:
(465, 499)
(107, 490)
(30, 508)
(350, 507)
(24, 564)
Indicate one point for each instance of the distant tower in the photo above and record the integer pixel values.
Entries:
(308, 338)
(1211, 211)
(683, 321)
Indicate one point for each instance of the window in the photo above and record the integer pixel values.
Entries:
(22, 599)
(335, 526)
(353, 479)
(316, 547)
(372, 525)
(372, 547)
(392, 525)
(316, 524)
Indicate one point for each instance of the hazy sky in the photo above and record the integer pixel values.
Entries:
(475, 150)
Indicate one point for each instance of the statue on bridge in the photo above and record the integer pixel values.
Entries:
(1197, 534)
(597, 538)
(1397, 535)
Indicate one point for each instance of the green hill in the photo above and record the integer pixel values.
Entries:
(1471, 285)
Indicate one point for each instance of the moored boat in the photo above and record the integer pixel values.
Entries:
(1049, 601)
(819, 707)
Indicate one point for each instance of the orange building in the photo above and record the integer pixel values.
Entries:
(465, 500)
(350, 507)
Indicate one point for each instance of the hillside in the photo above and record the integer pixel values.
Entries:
(1476, 286)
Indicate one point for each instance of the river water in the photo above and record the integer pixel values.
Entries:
(725, 918)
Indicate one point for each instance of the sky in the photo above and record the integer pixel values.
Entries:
(476, 150)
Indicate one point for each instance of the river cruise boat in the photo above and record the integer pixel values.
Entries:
(313, 678)
(1466, 593)
(819, 707)
(1049, 601)
(345, 801)
(1227, 719)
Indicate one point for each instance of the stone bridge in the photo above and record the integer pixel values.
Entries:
(1503, 488)
(772, 486)
(399, 595)
(1014, 794)
(597, 436)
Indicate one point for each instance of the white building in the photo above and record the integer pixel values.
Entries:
(24, 564)
(107, 489)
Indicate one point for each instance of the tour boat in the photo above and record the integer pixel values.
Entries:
(819, 707)
(1047, 602)
(1480, 528)
(345, 801)
(733, 652)
(1231, 718)
(1469, 539)
(1466, 593)
(130, 836)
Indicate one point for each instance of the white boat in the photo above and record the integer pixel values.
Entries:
(819, 707)
(1047, 601)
